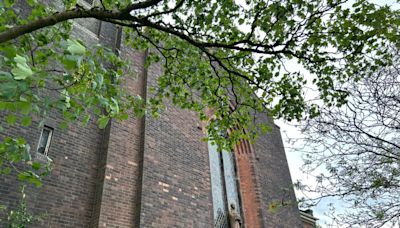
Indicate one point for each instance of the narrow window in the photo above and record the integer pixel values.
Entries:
(224, 187)
(217, 187)
(44, 140)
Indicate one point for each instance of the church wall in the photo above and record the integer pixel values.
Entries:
(176, 180)
(94, 182)
(250, 195)
(146, 172)
(119, 189)
(69, 191)
(274, 181)
(68, 194)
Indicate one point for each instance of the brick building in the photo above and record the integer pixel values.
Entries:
(308, 219)
(151, 172)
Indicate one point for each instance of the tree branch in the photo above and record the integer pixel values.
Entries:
(78, 12)
(17, 31)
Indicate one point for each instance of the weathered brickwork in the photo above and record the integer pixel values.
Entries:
(176, 180)
(248, 184)
(122, 161)
(273, 177)
(146, 172)
(69, 191)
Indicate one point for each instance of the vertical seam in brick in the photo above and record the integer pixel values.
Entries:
(101, 169)
(96, 211)
(142, 142)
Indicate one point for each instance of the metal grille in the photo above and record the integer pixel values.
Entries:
(221, 221)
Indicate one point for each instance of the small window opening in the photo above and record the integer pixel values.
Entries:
(44, 141)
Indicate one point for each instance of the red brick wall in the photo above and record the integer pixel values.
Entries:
(273, 176)
(176, 180)
(68, 194)
(120, 183)
(69, 191)
(95, 181)
(248, 184)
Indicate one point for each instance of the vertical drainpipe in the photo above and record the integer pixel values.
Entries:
(142, 143)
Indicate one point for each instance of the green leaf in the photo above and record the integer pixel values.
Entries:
(35, 181)
(21, 71)
(123, 116)
(36, 165)
(31, 2)
(8, 89)
(85, 120)
(24, 107)
(103, 121)
(23, 176)
(26, 121)
(64, 125)
(7, 170)
(30, 177)
(71, 62)
(11, 119)
(100, 80)
(5, 76)
(2, 106)
(9, 3)
(75, 48)
(27, 155)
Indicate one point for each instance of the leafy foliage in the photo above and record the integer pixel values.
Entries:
(21, 217)
(358, 146)
(15, 151)
(216, 54)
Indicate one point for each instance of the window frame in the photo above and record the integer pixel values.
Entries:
(48, 142)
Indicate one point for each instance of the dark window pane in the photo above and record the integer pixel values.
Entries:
(44, 140)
